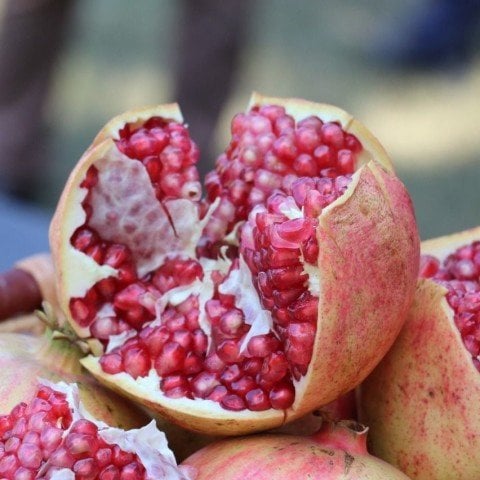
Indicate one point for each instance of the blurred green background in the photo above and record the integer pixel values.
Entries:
(119, 56)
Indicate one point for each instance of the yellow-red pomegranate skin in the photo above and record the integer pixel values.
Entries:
(334, 453)
(422, 401)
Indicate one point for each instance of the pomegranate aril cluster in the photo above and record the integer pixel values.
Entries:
(39, 438)
(276, 249)
(169, 156)
(460, 274)
(268, 151)
(266, 164)
(257, 378)
(89, 457)
(31, 433)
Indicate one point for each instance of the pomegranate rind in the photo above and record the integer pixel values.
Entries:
(421, 402)
(362, 303)
(331, 454)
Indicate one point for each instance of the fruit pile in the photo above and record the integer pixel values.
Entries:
(260, 305)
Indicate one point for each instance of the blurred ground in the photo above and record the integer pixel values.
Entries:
(119, 54)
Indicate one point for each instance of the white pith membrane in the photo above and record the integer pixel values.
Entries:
(169, 230)
(455, 265)
(147, 443)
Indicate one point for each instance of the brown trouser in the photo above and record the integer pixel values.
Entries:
(31, 39)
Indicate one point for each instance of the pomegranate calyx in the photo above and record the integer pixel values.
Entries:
(347, 435)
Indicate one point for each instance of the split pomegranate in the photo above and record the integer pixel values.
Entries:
(334, 452)
(25, 358)
(51, 438)
(422, 400)
(267, 299)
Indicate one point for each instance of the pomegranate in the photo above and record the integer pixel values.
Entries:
(270, 297)
(421, 401)
(52, 437)
(336, 451)
(24, 359)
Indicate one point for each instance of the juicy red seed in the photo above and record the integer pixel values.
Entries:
(61, 458)
(156, 340)
(83, 239)
(214, 363)
(233, 402)
(78, 443)
(282, 396)
(218, 393)
(460, 273)
(232, 322)
(132, 471)
(230, 374)
(229, 351)
(84, 426)
(85, 468)
(8, 466)
(262, 345)
(274, 367)
(173, 381)
(103, 457)
(200, 342)
(111, 363)
(110, 473)
(121, 458)
(257, 400)
(243, 385)
(252, 366)
(136, 362)
(203, 384)
(171, 359)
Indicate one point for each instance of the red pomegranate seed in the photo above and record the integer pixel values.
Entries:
(230, 374)
(103, 457)
(8, 466)
(171, 359)
(229, 351)
(121, 458)
(243, 385)
(262, 345)
(111, 363)
(61, 458)
(233, 402)
(257, 400)
(132, 471)
(85, 468)
(136, 362)
(282, 396)
(203, 384)
(274, 367)
(218, 393)
(110, 473)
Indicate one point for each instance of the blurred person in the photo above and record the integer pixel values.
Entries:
(434, 34)
(32, 37)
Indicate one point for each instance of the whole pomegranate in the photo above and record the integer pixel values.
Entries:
(270, 297)
(336, 451)
(422, 401)
(51, 436)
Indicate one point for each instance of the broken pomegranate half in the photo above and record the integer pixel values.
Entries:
(53, 437)
(272, 296)
(422, 401)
